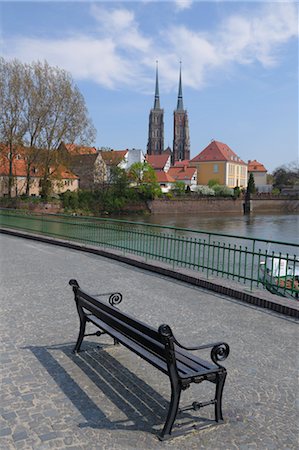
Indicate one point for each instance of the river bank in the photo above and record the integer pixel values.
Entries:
(211, 205)
(179, 205)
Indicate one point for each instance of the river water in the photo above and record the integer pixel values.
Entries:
(275, 227)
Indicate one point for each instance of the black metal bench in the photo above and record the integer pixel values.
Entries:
(158, 347)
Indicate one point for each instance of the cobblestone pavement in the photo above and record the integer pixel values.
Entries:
(107, 397)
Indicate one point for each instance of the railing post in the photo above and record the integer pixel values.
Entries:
(252, 264)
(208, 261)
(174, 249)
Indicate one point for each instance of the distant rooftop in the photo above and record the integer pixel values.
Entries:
(217, 151)
(255, 166)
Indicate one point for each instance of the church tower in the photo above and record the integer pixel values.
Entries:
(155, 145)
(181, 138)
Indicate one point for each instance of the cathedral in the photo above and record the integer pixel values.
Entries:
(181, 138)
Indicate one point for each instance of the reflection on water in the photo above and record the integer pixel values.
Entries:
(276, 227)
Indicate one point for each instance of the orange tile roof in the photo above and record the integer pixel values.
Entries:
(19, 167)
(184, 162)
(19, 150)
(158, 162)
(217, 151)
(164, 177)
(75, 149)
(255, 166)
(114, 156)
(182, 173)
(64, 173)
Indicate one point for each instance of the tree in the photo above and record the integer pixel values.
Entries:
(36, 110)
(286, 175)
(143, 176)
(42, 107)
(178, 188)
(119, 181)
(251, 184)
(141, 173)
(64, 116)
(12, 122)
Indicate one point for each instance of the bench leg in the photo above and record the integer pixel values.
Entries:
(218, 396)
(172, 412)
(81, 335)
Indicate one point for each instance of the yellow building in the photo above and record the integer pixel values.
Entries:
(218, 162)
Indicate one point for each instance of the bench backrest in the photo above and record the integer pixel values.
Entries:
(141, 333)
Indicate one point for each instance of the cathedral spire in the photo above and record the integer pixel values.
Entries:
(155, 144)
(157, 97)
(180, 106)
(181, 138)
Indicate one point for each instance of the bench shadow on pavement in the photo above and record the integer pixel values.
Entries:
(143, 407)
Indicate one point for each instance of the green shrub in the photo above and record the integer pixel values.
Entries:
(237, 192)
(169, 195)
(223, 191)
(275, 191)
(178, 188)
(213, 182)
(204, 190)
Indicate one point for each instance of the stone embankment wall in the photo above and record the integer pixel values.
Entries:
(181, 206)
(38, 207)
(280, 205)
(206, 205)
(189, 205)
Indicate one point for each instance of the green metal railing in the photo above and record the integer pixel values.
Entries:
(253, 262)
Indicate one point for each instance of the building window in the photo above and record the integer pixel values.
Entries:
(216, 168)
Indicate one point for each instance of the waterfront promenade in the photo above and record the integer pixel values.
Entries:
(107, 398)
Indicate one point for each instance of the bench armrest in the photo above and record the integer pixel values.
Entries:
(219, 352)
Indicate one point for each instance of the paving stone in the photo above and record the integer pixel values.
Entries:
(19, 435)
(107, 397)
(5, 431)
(48, 436)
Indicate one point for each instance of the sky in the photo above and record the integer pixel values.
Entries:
(239, 67)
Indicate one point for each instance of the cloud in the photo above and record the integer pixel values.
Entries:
(239, 39)
(257, 38)
(85, 57)
(121, 25)
(119, 53)
(183, 4)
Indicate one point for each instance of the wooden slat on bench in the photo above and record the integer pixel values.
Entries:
(124, 317)
(127, 342)
(192, 361)
(186, 366)
(144, 353)
(144, 340)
